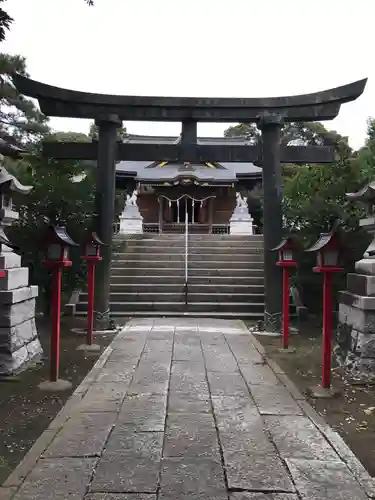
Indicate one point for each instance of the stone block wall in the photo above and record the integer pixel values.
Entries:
(19, 343)
(355, 340)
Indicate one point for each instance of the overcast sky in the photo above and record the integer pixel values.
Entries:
(219, 48)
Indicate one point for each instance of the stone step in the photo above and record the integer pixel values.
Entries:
(228, 272)
(192, 244)
(176, 314)
(179, 306)
(208, 288)
(180, 256)
(152, 296)
(156, 250)
(192, 236)
(166, 278)
(193, 264)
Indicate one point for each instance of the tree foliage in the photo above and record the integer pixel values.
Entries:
(21, 122)
(6, 21)
(56, 199)
(94, 132)
(314, 195)
(63, 190)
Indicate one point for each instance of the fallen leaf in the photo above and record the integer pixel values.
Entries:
(369, 410)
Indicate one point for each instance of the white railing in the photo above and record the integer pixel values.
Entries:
(220, 229)
(151, 227)
(186, 254)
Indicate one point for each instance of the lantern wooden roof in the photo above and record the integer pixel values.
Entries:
(5, 241)
(94, 238)
(9, 181)
(61, 236)
(366, 194)
(325, 239)
(292, 241)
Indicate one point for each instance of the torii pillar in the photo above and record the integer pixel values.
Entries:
(105, 209)
(270, 125)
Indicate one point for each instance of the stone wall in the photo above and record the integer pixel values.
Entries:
(355, 339)
(19, 343)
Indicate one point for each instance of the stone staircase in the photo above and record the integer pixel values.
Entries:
(225, 276)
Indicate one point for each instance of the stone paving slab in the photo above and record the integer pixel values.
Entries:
(192, 475)
(146, 412)
(191, 435)
(224, 363)
(103, 397)
(188, 409)
(227, 384)
(262, 496)
(126, 472)
(274, 400)
(181, 402)
(251, 470)
(83, 435)
(119, 496)
(258, 375)
(297, 437)
(58, 478)
(319, 480)
(215, 495)
(125, 439)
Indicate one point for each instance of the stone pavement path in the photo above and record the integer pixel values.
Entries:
(188, 409)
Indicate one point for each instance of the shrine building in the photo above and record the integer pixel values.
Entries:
(205, 191)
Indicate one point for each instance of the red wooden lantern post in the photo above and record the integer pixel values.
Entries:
(91, 255)
(57, 244)
(287, 249)
(328, 249)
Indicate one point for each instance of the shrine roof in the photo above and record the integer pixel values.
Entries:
(159, 171)
(228, 172)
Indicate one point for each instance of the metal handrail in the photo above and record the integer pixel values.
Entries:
(186, 255)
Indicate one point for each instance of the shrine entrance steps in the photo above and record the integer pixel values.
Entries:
(225, 276)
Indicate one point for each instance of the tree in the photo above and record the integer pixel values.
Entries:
(6, 21)
(56, 199)
(298, 134)
(365, 157)
(314, 195)
(94, 132)
(248, 130)
(21, 122)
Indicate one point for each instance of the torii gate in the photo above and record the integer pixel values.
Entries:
(269, 113)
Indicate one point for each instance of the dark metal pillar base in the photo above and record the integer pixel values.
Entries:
(272, 322)
(105, 208)
(270, 125)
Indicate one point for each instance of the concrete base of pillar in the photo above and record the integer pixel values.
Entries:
(288, 350)
(89, 347)
(265, 333)
(318, 392)
(57, 386)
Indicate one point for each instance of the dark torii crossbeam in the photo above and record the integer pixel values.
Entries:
(269, 113)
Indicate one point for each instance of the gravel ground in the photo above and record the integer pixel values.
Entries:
(26, 411)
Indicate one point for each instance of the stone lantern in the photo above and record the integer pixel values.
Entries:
(366, 195)
(19, 342)
(355, 346)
